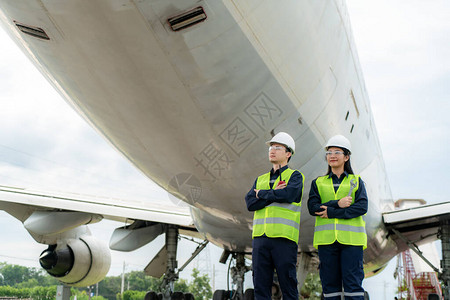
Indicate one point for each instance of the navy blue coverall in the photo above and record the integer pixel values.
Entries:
(340, 265)
(279, 253)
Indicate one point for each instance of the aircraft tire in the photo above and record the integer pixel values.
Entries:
(249, 294)
(220, 295)
(189, 296)
(151, 296)
(177, 296)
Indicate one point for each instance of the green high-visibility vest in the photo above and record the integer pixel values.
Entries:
(345, 231)
(277, 219)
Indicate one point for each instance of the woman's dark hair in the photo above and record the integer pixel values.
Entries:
(347, 165)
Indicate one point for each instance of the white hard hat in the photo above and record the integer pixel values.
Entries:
(284, 139)
(339, 141)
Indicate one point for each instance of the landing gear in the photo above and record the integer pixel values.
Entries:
(170, 276)
(444, 235)
(237, 274)
(177, 296)
(171, 273)
(227, 295)
(189, 296)
(249, 294)
(151, 296)
(166, 258)
(221, 295)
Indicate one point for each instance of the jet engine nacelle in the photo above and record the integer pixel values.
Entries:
(77, 262)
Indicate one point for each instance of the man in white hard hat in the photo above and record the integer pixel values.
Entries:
(276, 200)
(338, 200)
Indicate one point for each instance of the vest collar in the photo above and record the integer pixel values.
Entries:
(331, 174)
(272, 172)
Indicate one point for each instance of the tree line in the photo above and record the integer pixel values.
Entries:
(23, 282)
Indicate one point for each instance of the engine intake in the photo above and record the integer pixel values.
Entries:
(77, 262)
(57, 262)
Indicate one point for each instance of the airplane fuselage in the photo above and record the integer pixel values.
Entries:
(196, 106)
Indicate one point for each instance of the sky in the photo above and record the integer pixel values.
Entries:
(403, 48)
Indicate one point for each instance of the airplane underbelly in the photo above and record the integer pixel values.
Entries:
(192, 108)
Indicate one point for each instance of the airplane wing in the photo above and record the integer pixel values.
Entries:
(108, 208)
(59, 220)
(416, 226)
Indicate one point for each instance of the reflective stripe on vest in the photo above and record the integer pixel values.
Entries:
(277, 219)
(332, 295)
(288, 206)
(339, 227)
(345, 231)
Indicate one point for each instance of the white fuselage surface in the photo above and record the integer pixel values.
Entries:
(201, 102)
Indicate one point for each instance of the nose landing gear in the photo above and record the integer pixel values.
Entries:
(237, 276)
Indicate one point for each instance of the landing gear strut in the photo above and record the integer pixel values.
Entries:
(237, 276)
(238, 273)
(172, 272)
(171, 275)
(444, 234)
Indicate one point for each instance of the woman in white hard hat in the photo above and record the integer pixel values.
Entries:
(275, 197)
(339, 200)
